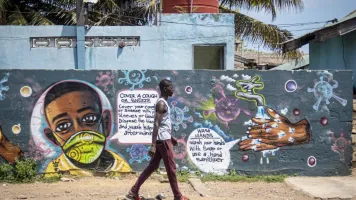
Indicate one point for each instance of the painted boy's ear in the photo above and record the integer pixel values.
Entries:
(49, 135)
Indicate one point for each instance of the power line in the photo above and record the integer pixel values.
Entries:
(306, 29)
(183, 23)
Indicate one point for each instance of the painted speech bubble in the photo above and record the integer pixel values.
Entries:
(208, 150)
(135, 116)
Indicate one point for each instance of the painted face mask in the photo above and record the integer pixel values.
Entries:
(84, 146)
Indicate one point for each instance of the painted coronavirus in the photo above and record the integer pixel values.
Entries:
(3, 87)
(104, 80)
(324, 91)
(180, 151)
(178, 116)
(138, 153)
(135, 78)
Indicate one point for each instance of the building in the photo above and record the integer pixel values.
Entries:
(181, 41)
(331, 47)
(255, 59)
(301, 63)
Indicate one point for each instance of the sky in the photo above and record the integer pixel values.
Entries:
(314, 11)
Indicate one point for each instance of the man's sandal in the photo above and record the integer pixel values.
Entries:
(132, 196)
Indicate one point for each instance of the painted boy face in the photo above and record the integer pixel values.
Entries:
(74, 112)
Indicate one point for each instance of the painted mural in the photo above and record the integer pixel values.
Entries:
(87, 122)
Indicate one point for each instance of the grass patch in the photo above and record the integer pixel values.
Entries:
(234, 177)
(239, 178)
(183, 176)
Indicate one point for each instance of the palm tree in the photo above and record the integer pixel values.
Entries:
(108, 12)
(63, 12)
(268, 35)
(33, 12)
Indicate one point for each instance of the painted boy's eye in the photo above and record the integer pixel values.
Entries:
(90, 119)
(63, 126)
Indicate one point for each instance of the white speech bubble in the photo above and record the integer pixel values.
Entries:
(135, 116)
(208, 150)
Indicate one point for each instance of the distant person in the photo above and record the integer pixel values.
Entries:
(78, 124)
(162, 145)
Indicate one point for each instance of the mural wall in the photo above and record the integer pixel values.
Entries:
(85, 122)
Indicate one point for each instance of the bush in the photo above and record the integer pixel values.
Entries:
(5, 171)
(25, 170)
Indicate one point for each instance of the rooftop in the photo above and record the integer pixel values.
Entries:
(295, 64)
(337, 28)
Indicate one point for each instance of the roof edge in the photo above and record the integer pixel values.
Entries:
(322, 34)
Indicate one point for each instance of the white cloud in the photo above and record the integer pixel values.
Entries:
(284, 111)
(246, 77)
(227, 78)
(230, 87)
(248, 123)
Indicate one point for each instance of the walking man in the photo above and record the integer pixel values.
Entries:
(162, 145)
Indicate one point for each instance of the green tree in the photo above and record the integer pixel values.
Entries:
(253, 30)
(108, 12)
(34, 12)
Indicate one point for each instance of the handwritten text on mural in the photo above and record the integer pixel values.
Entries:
(135, 116)
(208, 150)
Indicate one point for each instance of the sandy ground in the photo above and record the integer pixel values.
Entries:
(105, 188)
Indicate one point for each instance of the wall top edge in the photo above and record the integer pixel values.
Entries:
(200, 70)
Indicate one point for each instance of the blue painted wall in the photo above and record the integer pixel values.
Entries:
(168, 46)
(336, 53)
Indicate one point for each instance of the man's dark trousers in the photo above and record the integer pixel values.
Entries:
(164, 150)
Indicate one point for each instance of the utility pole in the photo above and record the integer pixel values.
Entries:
(258, 54)
(80, 35)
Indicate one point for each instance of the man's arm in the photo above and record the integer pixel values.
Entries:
(160, 110)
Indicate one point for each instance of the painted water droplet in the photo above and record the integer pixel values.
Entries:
(245, 157)
(188, 89)
(296, 112)
(323, 121)
(291, 86)
(311, 161)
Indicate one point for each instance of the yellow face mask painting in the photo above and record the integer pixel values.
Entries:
(85, 146)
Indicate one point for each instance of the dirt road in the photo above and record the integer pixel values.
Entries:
(110, 189)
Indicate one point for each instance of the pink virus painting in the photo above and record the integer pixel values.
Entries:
(104, 80)
(340, 145)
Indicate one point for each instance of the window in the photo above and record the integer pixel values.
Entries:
(209, 57)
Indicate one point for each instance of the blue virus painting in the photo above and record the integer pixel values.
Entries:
(3, 87)
(135, 78)
(138, 153)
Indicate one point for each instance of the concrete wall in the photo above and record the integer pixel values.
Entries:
(168, 46)
(252, 121)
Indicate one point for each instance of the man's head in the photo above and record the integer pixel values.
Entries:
(71, 107)
(166, 88)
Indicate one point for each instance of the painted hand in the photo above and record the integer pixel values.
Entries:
(152, 151)
(8, 151)
(276, 132)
